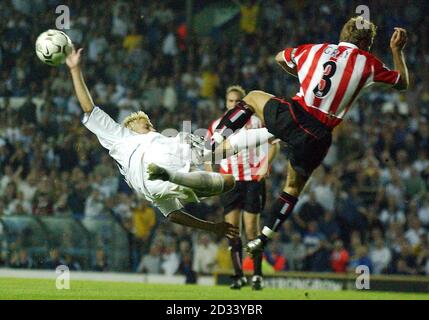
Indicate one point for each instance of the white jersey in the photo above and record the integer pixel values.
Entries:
(133, 152)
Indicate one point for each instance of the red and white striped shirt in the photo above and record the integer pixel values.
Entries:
(333, 75)
(244, 166)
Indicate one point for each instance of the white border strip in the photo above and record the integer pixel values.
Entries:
(104, 276)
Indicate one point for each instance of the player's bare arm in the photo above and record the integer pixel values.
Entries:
(397, 44)
(281, 61)
(82, 92)
(272, 152)
(219, 228)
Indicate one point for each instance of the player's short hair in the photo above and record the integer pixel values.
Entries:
(353, 34)
(136, 116)
(236, 88)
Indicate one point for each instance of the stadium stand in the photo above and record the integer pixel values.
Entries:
(63, 201)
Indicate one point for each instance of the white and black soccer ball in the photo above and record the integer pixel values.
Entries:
(53, 47)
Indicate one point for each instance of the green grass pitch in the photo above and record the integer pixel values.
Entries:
(34, 289)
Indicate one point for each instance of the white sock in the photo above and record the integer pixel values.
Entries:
(207, 182)
(249, 138)
(268, 232)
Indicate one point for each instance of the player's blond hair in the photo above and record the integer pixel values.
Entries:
(236, 88)
(357, 29)
(136, 116)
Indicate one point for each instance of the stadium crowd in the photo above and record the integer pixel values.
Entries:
(368, 204)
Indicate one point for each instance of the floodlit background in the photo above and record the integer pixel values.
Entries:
(62, 200)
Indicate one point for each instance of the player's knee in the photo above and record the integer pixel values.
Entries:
(229, 182)
(293, 190)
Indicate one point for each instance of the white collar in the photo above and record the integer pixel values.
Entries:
(348, 44)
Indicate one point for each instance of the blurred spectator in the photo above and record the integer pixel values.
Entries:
(380, 256)
(249, 15)
(144, 219)
(329, 227)
(275, 257)
(71, 263)
(414, 231)
(170, 260)
(320, 259)
(54, 259)
(223, 256)
(204, 255)
(94, 206)
(21, 260)
(360, 258)
(339, 257)
(405, 261)
(309, 211)
(101, 263)
(295, 253)
(151, 262)
(313, 243)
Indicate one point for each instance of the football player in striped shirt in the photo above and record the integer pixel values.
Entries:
(331, 77)
(246, 201)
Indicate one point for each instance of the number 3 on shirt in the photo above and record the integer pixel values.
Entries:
(324, 85)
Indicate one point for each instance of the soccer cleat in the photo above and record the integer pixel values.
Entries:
(238, 282)
(257, 282)
(157, 173)
(254, 246)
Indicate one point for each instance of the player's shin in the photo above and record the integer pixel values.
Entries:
(236, 249)
(280, 211)
(231, 121)
(257, 263)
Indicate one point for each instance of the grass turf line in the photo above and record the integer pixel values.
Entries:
(34, 289)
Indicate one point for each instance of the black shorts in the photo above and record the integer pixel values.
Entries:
(247, 195)
(307, 139)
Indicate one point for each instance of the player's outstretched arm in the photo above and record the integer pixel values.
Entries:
(219, 228)
(82, 92)
(397, 44)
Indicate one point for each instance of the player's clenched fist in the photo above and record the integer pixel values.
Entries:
(399, 39)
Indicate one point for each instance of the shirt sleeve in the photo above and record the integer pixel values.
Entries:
(289, 54)
(104, 127)
(167, 206)
(382, 74)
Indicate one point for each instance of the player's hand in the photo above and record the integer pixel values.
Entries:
(73, 60)
(399, 39)
(262, 173)
(225, 229)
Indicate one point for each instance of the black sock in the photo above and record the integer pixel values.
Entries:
(236, 247)
(233, 119)
(280, 211)
(257, 263)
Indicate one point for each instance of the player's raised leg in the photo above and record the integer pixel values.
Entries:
(203, 183)
(235, 118)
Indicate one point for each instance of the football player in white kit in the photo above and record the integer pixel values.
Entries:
(136, 145)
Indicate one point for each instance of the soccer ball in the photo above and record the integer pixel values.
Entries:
(53, 47)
